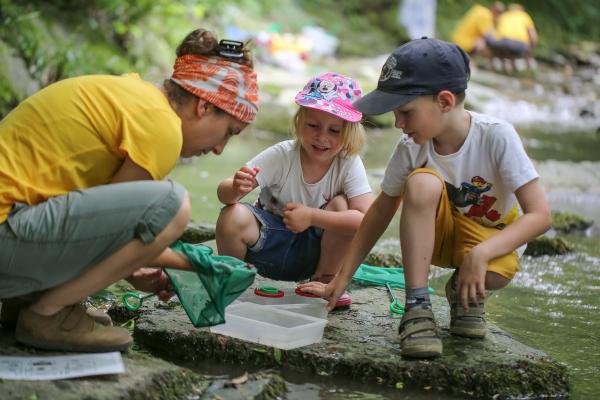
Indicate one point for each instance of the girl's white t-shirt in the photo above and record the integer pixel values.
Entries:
(281, 180)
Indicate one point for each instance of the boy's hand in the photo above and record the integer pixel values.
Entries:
(151, 280)
(244, 179)
(471, 278)
(331, 291)
(297, 217)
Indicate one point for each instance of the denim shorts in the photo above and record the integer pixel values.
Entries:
(281, 254)
(44, 245)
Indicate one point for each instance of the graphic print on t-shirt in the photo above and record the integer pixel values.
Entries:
(472, 194)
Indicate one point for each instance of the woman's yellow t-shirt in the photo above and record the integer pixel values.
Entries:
(75, 134)
(476, 23)
(514, 25)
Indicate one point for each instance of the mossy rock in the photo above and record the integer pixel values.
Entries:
(198, 233)
(384, 259)
(566, 222)
(544, 245)
(361, 344)
(146, 377)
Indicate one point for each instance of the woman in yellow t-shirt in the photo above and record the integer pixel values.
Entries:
(514, 37)
(471, 30)
(83, 202)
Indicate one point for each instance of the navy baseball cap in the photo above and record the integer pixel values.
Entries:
(420, 67)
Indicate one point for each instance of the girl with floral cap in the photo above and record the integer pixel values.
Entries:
(313, 190)
(83, 202)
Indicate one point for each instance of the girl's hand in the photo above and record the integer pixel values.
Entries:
(244, 180)
(331, 291)
(471, 278)
(297, 217)
(151, 280)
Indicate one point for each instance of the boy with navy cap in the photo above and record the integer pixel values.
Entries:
(471, 198)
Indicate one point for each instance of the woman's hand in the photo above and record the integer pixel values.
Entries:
(471, 278)
(297, 217)
(244, 180)
(152, 280)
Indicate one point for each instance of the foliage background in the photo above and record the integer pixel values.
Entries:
(44, 41)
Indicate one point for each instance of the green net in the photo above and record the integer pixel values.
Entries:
(378, 276)
(215, 283)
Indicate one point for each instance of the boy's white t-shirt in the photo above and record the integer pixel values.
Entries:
(281, 180)
(481, 177)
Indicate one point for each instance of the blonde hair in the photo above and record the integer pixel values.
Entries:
(353, 134)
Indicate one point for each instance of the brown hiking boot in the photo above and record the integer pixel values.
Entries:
(70, 329)
(470, 323)
(418, 334)
(9, 313)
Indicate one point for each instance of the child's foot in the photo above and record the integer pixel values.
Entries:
(70, 329)
(343, 302)
(9, 311)
(418, 334)
(470, 323)
(345, 299)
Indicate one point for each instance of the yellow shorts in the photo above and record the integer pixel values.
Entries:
(456, 235)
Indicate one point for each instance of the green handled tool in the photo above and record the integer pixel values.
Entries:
(395, 307)
(133, 300)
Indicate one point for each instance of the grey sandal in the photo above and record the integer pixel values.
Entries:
(470, 323)
(418, 334)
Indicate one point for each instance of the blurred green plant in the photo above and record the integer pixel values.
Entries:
(64, 38)
(364, 27)
(24, 32)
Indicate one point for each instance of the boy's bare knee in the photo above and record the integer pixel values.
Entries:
(495, 281)
(422, 189)
(338, 203)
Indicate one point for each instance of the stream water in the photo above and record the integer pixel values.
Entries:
(554, 302)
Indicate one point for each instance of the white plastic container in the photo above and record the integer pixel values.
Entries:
(311, 306)
(273, 327)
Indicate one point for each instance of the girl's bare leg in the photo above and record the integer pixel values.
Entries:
(237, 228)
(333, 245)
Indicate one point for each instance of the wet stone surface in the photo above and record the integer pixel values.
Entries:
(362, 344)
(146, 377)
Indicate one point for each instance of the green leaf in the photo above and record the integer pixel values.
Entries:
(277, 355)
(259, 349)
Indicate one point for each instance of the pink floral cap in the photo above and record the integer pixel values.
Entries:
(332, 93)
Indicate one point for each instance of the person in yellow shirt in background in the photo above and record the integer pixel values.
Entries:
(514, 37)
(471, 30)
(83, 200)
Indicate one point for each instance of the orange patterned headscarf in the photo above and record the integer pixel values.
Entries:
(228, 85)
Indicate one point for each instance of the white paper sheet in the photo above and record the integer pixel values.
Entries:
(60, 367)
